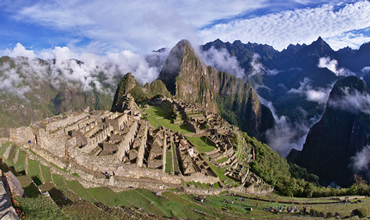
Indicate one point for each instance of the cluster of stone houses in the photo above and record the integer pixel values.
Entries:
(126, 144)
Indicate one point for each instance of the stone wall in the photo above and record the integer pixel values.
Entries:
(164, 155)
(141, 151)
(22, 135)
(124, 146)
(99, 137)
(128, 170)
(48, 156)
(159, 175)
(81, 125)
(200, 177)
(62, 123)
(200, 191)
(53, 142)
(80, 138)
(93, 163)
(117, 122)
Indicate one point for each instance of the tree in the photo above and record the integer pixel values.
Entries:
(359, 181)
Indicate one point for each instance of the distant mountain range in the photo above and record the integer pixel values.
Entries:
(275, 96)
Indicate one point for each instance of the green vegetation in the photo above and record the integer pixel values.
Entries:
(75, 174)
(40, 207)
(222, 160)
(292, 180)
(59, 182)
(201, 145)
(34, 171)
(21, 162)
(107, 196)
(168, 168)
(158, 118)
(3, 148)
(77, 188)
(46, 173)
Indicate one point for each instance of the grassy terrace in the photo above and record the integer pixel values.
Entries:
(34, 171)
(155, 112)
(201, 145)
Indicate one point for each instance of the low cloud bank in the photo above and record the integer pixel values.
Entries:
(88, 70)
(258, 68)
(332, 65)
(319, 95)
(353, 102)
(361, 161)
(221, 60)
(286, 135)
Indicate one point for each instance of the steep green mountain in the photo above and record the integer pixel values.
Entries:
(184, 76)
(342, 132)
(34, 89)
(187, 77)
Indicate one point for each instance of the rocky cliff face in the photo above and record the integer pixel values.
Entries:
(187, 77)
(342, 132)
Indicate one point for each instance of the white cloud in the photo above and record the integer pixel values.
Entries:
(347, 39)
(330, 21)
(272, 72)
(143, 26)
(134, 25)
(221, 60)
(353, 101)
(366, 69)
(256, 65)
(332, 65)
(319, 95)
(361, 161)
(258, 68)
(286, 135)
(19, 50)
(12, 82)
(65, 68)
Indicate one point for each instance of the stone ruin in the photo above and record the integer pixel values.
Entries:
(128, 146)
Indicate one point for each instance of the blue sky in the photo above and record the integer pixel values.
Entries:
(142, 26)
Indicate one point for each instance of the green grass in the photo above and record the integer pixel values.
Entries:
(222, 160)
(34, 171)
(156, 111)
(108, 197)
(157, 205)
(46, 174)
(85, 210)
(186, 203)
(168, 168)
(220, 173)
(77, 188)
(59, 182)
(171, 208)
(75, 174)
(3, 148)
(21, 162)
(174, 160)
(40, 208)
(200, 144)
(10, 159)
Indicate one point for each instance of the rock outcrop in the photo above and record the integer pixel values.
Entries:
(188, 78)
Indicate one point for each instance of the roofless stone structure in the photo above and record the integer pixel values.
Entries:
(130, 150)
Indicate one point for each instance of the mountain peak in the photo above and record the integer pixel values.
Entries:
(182, 52)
